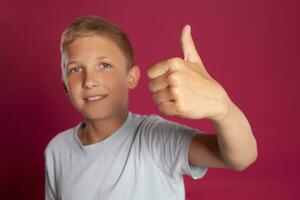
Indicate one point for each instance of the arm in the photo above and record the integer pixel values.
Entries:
(233, 146)
(183, 87)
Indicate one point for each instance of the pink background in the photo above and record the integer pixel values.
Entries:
(250, 47)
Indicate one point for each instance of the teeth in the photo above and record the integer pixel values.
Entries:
(95, 98)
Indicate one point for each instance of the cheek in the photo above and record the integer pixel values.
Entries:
(118, 83)
(73, 84)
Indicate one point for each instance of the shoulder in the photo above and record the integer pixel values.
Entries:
(148, 122)
(148, 119)
(156, 126)
(158, 123)
(144, 120)
(59, 141)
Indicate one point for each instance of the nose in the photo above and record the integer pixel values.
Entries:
(90, 80)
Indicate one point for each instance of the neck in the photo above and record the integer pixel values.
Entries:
(97, 130)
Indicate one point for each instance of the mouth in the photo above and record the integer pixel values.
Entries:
(96, 98)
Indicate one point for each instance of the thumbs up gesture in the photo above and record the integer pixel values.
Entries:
(183, 87)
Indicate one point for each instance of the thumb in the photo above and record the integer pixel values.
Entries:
(188, 47)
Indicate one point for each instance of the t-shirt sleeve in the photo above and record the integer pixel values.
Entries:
(196, 172)
(50, 189)
(169, 145)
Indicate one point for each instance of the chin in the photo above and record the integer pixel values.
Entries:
(96, 116)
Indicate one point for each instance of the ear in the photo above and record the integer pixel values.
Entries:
(133, 77)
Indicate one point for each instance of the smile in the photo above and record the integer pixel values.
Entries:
(95, 98)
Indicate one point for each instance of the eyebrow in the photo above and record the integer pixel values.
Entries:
(74, 61)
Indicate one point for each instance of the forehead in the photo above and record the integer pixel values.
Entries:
(89, 47)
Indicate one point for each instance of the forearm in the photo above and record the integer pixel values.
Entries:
(235, 139)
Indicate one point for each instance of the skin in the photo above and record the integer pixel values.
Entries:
(184, 88)
(181, 87)
(89, 75)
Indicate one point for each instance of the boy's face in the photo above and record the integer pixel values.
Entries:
(97, 78)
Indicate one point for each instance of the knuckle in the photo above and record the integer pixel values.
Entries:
(174, 91)
(162, 108)
(151, 86)
(176, 61)
(156, 96)
(180, 107)
(173, 78)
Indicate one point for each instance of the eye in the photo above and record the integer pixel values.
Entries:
(105, 65)
(75, 69)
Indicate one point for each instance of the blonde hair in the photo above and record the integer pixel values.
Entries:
(95, 25)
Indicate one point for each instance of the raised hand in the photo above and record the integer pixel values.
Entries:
(183, 87)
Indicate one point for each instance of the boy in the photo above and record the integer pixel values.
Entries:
(116, 154)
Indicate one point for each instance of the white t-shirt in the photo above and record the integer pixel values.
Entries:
(145, 158)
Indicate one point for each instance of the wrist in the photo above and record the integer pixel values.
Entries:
(227, 112)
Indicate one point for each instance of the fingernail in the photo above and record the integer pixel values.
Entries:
(188, 28)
